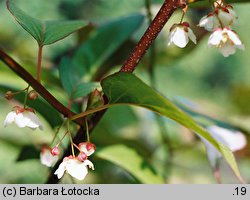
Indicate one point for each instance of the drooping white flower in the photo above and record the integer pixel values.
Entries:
(221, 17)
(74, 167)
(23, 118)
(233, 139)
(226, 40)
(226, 15)
(47, 158)
(87, 147)
(209, 22)
(180, 35)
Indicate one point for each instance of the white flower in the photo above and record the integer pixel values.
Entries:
(209, 22)
(87, 147)
(223, 16)
(180, 35)
(226, 40)
(74, 167)
(226, 15)
(47, 158)
(22, 118)
(233, 139)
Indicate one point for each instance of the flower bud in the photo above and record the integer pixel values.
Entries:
(9, 95)
(87, 147)
(90, 146)
(95, 100)
(33, 95)
(55, 151)
(82, 157)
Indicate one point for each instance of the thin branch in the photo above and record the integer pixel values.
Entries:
(167, 9)
(26, 76)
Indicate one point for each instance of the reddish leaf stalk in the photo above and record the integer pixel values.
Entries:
(39, 63)
(167, 9)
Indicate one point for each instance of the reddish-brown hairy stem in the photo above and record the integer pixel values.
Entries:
(167, 9)
(26, 76)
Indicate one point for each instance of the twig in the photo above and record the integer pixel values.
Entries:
(167, 9)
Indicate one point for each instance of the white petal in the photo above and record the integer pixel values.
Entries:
(203, 21)
(90, 152)
(234, 37)
(83, 147)
(212, 153)
(77, 169)
(227, 49)
(216, 38)
(170, 38)
(234, 140)
(61, 169)
(191, 35)
(180, 37)
(209, 22)
(242, 47)
(47, 158)
(34, 120)
(9, 118)
(21, 120)
(225, 18)
(89, 164)
(233, 14)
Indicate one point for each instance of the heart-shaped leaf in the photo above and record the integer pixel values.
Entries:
(131, 161)
(126, 88)
(44, 32)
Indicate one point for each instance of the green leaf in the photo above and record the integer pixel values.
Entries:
(28, 152)
(44, 32)
(126, 88)
(131, 161)
(96, 50)
(85, 88)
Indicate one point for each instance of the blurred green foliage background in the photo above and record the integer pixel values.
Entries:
(213, 85)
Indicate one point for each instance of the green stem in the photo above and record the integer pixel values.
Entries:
(88, 112)
(70, 137)
(26, 97)
(87, 129)
(182, 17)
(39, 63)
(57, 131)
